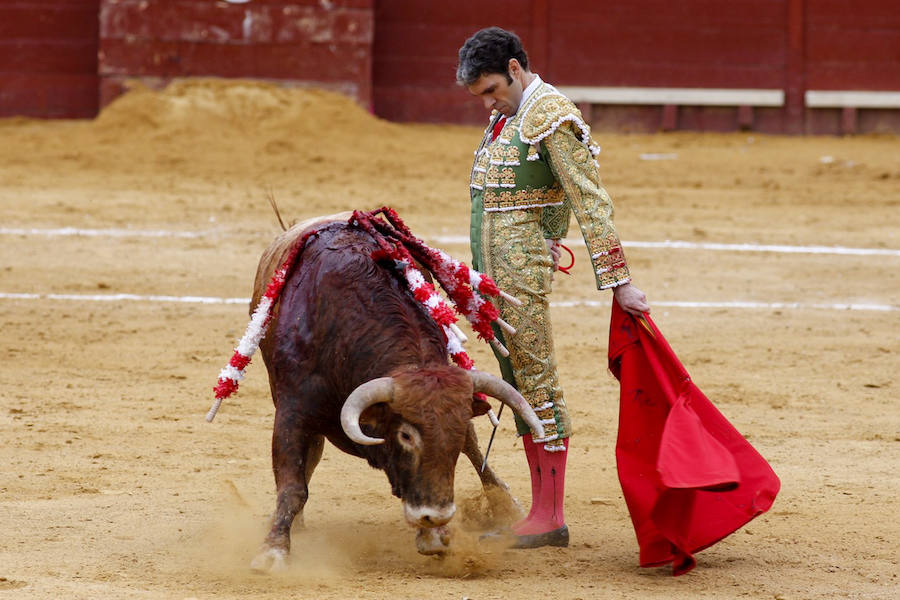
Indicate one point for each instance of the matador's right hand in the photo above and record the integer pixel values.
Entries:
(631, 299)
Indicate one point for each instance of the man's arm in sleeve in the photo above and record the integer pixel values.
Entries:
(573, 166)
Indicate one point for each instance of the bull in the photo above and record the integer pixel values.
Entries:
(353, 358)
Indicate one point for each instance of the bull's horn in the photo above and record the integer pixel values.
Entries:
(364, 396)
(507, 394)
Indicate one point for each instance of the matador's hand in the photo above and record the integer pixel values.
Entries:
(555, 252)
(631, 299)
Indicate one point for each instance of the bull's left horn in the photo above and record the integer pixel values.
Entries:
(507, 394)
(364, 396)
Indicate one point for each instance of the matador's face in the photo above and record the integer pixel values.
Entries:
(497, 93)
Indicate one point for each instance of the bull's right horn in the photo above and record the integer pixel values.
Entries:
(364, 396)
(507, 394)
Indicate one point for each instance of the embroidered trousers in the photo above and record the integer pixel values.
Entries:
(513, 252)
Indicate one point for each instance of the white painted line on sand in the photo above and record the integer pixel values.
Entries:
(555, 304)
(679, 245)
(461, 239)
(120, 233)
(743, 304)
(125, 297)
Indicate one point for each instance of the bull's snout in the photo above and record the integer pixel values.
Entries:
(429, 516)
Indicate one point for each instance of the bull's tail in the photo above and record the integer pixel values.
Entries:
(270, 196)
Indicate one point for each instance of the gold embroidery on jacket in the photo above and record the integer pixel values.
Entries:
(492, 179)
(507, 200)
(507, 177)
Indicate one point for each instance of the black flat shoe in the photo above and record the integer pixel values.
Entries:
(557, 537)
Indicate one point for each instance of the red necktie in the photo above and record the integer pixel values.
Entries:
(497, 127)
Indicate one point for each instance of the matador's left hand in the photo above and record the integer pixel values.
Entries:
(555, 252)
(631, 299)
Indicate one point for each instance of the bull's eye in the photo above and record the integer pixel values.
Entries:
(408, 438)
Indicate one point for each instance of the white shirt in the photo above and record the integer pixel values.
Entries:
(529, 91)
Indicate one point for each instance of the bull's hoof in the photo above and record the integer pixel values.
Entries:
(434, 540)
(270, 560)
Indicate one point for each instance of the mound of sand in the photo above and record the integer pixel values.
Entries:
(205, 113)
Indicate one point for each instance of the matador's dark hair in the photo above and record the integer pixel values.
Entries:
(488, 51)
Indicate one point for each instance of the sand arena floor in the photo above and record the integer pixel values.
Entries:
(113, 486)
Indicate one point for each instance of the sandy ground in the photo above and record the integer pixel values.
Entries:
(113, 486)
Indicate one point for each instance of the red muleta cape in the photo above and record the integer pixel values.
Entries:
(689, 478)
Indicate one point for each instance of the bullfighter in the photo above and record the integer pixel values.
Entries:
(534, 167)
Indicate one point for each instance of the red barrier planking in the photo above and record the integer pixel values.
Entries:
(48, 58)
(169, 21)
(468, 14)
(203, 21)
(852, 49)
(49, 95)
(628, 73)
(405, 66)
(432, 104)
(399, 71)
(879, 14)
(656, 13)
(43, 21)
(298, 42)
(872, 75)
(857, 46)
(62, 56)
(300, 60)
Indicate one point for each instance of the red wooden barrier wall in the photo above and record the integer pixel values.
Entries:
(685, 44)
(415, 55)
(789, 45)
(852, 45)
(400, 55)
(308, 42)
(48, 58)
(652, 43)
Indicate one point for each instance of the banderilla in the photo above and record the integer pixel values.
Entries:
(491, 441)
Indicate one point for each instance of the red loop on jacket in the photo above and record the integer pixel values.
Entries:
(572, 264)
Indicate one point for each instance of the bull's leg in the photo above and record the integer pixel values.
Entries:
(504, 506)
(295, 454)
(434, 540)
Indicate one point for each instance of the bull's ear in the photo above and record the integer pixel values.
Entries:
(479, 406)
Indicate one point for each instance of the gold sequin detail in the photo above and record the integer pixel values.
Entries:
(482, 161)
(581, 154)
(511, 156)
(506, 200)
(516, 257)
(492, 179)
(543, 115)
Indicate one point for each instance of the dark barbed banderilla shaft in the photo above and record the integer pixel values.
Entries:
(491, 441)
